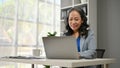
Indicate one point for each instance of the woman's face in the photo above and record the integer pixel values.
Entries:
(74, 20)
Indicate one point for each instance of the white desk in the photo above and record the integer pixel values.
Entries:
(64, 62)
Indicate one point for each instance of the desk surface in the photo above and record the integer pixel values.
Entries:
(63, 62)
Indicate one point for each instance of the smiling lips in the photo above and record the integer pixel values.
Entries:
(74, 25)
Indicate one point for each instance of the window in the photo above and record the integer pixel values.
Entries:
(24, 22)
(7, 21)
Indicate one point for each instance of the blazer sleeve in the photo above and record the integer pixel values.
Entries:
(90, 49)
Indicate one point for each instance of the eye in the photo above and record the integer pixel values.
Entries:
(76, 19)
(70, 19)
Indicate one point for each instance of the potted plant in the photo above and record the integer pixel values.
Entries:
(49, 35)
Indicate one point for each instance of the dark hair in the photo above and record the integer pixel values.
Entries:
(83, 30)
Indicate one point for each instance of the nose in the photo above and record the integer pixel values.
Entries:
(73, 21)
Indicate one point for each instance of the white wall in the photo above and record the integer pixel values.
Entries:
(108, 24)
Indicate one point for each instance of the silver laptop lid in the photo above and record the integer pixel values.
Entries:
(60, 47)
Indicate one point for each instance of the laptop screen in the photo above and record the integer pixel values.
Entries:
(60, 47)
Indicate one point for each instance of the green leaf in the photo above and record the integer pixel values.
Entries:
(50, 34)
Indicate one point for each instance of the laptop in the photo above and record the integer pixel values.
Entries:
(60, 47)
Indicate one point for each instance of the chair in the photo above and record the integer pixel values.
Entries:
(100, 53)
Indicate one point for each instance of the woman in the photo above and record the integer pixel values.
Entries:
(76, 26)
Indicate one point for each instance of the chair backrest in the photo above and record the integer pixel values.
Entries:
(100, 53)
